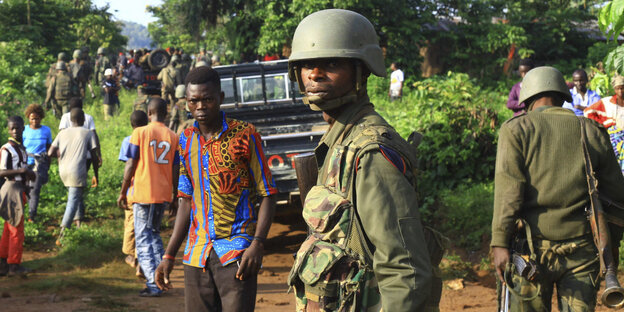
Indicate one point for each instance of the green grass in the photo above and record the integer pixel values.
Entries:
(90, 259)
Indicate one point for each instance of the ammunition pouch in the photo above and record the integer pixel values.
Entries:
(327, 275)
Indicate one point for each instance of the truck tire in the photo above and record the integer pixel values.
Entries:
(158, 59)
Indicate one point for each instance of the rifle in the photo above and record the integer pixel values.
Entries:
(307, 172)
(504, 299)
(613, 295)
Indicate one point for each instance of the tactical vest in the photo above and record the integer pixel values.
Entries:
(64, 88)
(78, 71)
(333, 267)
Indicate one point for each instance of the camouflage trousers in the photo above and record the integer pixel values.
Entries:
(169, 96)
(571, 266)
(60, 106)
(140, 103)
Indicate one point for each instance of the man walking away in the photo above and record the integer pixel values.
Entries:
(148, 184)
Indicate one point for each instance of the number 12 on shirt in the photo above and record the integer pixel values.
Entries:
(165, 147)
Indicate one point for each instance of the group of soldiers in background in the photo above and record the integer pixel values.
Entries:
(75, 78)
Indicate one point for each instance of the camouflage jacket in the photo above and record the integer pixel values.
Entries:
(101, 64)
(61, 87)
(170, 78)
(375, 179)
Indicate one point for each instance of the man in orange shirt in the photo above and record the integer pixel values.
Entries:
(153, 161)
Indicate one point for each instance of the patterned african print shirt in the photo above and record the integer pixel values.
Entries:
(225, 177)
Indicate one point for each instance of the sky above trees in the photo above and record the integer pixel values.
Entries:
(133, 11)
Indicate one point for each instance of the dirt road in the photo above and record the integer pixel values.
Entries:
(282, 243)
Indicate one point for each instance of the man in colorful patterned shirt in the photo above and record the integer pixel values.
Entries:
(223, 177)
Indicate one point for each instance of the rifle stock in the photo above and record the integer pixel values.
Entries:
(307, 172)
(613, 296)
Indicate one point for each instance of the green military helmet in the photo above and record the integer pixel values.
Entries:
(543, 79)
(77, 54)
(60, 65)
(101, 50)
(62, 56)
(180, 91)
(337, 33)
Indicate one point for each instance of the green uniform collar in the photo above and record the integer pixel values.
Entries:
(335, 131)
(345, 117)
(553, 110)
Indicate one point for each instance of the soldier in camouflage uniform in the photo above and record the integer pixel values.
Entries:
(60, 90)
(170, 77)
(179, 114)
(61, 57)
(79, 72)
(540, 178)
(140, 103)
(367, 250)
(101, 64)
(185, 65)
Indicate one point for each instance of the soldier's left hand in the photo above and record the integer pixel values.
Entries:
(501, 258)
(251, 261)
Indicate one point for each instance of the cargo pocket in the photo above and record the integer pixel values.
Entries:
(309, 274)
(408, 229)
(327, 214)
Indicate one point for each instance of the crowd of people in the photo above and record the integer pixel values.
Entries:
(367, 248)
(584, 102)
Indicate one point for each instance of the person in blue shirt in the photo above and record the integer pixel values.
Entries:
(581, 96)
(37, 140)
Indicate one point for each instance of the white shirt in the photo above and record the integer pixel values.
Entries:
(88, 124)
(396, 81)
(66, 122)
(12, 158)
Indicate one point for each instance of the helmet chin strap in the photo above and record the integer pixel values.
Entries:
(316, 103)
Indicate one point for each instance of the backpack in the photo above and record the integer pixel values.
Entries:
(65, 87)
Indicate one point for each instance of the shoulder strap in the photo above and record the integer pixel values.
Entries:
(592, 183)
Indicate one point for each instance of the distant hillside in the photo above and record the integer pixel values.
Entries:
(138, 36)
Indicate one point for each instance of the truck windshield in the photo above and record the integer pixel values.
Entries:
(250, 89)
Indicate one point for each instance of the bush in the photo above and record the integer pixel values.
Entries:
(459, 123)
(466, 214)
(23, 67)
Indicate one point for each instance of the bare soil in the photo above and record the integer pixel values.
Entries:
(478, 294)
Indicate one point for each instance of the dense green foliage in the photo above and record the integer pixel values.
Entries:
(478, 37)
(611, 22)
(465, 214)
(23, 67)
(59, 25)
(458, 121)
(33, 32)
